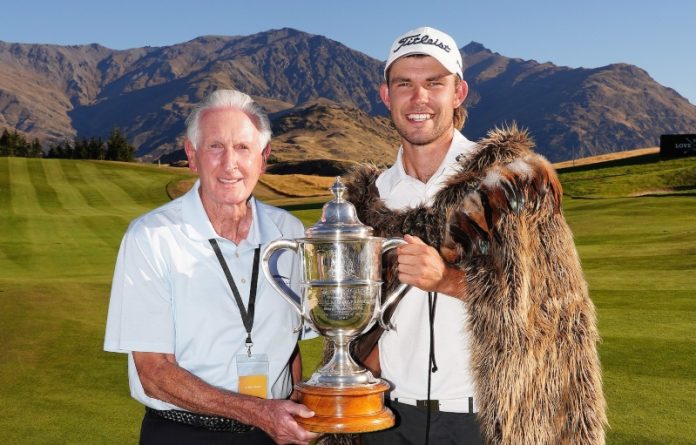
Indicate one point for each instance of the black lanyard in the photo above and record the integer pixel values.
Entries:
(247, 316)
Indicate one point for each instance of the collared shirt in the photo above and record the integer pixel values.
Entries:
(170, 295)
(404, 352)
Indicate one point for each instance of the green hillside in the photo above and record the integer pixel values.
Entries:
(60, 226)
(637, 176)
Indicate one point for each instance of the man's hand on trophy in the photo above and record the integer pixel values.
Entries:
(277, 419)
(524, 185)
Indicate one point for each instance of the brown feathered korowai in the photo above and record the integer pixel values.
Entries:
(532, 324)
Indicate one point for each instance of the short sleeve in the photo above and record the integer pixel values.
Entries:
(140, 309)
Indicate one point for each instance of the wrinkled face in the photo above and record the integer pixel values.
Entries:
(421, 96)
(228, 157)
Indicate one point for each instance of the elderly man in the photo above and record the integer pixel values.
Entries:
(496, 341)
(211, 349)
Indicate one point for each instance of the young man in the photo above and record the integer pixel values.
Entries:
(495, 342)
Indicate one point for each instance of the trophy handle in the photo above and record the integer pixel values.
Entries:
(389, 244)
(272, 247)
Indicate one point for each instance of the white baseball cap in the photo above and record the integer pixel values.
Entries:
(428, 41)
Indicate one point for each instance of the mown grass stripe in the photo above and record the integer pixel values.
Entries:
(23, 198)
(623, 356)
(45, 193)
(70, 197)
(12, 226)
(108, 228)
(48, 246)
(641, 322)
(86, 189)
(4, 186)
(146, 186)
(48, 239)
(100, 177)
(56, 243)
(14, 258)
(649, 409)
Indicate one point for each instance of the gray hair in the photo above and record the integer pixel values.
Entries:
(229, 99)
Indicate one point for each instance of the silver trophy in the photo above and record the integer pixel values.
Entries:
(340, 285)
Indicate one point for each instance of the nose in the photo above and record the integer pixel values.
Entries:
(229, 159)
(420, 95)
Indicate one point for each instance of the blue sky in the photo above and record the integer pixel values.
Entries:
(658, 36)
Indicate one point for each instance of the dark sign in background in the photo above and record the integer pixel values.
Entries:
(676, 145)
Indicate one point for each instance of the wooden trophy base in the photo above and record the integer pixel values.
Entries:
(358, 409)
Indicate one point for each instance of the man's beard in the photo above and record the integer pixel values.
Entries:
(421, 139)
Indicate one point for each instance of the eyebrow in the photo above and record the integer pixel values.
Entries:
(440, 77)
(429, 79)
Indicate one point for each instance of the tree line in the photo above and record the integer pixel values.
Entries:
(115, 148)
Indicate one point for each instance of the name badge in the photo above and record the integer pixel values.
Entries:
(252, 371)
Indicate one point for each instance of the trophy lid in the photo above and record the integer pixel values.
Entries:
(338, 218)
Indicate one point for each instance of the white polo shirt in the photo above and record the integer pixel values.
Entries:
(404, 352)
(170, 295)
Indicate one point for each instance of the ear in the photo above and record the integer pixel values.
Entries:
(190, 155)
(460, 94)
(265, 154)
(384, 95)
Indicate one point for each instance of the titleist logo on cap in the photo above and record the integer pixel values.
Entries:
(423, 40)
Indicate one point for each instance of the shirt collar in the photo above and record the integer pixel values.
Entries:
(197, 225)
(459, 147)
(263, 229)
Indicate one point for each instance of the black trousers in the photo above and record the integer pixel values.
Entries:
(410, 429)
(158, 431)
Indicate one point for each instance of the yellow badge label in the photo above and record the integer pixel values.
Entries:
(254, 385)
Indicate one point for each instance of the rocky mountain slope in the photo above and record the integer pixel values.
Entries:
(572, 112)
(322, 96)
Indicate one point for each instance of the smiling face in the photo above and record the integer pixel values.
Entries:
(421, 96)
(227, 157)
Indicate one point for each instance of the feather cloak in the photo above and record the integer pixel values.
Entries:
(531, 322)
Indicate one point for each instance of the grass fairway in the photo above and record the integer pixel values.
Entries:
(61, 222)
(639, 257)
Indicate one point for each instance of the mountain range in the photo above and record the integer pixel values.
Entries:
(321, 95)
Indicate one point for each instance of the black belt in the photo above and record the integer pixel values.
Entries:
(211, 423)
(463, 406)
